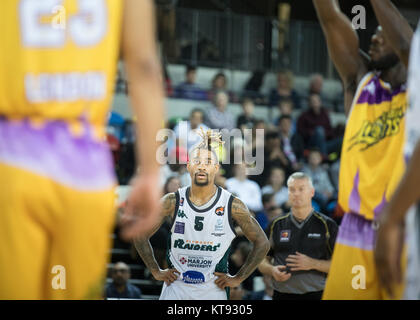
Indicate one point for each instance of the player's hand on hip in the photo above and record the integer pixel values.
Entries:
(280, 274)
(142, 211)
(167, 275)
(387, 253)
(226, 280)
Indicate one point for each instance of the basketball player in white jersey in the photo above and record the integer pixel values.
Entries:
(202, 217)
(402, 215)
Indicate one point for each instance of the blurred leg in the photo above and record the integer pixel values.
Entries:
(82, 245)
(25, 242)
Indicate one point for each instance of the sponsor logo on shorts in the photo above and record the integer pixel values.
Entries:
(220, 211)
(285, 235)
(195, 261)
(180, 227)
(193, 277)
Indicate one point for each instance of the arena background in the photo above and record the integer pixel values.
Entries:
(239, 38)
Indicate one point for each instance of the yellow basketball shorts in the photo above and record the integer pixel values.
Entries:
(56, 212)
(352, 274)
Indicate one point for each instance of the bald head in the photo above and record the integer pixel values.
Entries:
(121, 266)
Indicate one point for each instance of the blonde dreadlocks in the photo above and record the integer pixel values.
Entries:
(210, 140)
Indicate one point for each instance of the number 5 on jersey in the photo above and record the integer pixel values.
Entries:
(198, 224)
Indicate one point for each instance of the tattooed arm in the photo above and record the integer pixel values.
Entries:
(145, 249)
(254, 234)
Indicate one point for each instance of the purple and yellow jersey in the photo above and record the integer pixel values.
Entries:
(59, 58)
(57, 70)
(372, 161)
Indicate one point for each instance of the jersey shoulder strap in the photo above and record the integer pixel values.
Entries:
(323, 219)
(177, 204)
(282, 217)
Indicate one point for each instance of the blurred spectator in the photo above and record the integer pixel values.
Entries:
(247, 190)
(120, 288)
(189, 89)
(219, 83)
(274, 155)
(217, 117)
(176, 166)
(259, 124)
(277, 186)
(270, 211)
(256, 144)
(293, 145)
(284, 90)
(314, 125)
(315, 84)
(286, 109)
(191, 128)
(324, 190)
(246, 120)
(253, 86)
(266, 294)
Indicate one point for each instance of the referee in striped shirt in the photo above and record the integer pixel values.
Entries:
(302, 242)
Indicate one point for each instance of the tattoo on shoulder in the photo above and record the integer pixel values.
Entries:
(168, 204)
(238, 207)
(246, 221)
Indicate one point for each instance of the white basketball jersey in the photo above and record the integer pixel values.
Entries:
(199, 246)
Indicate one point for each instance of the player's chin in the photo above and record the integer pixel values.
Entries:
(201, 182)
